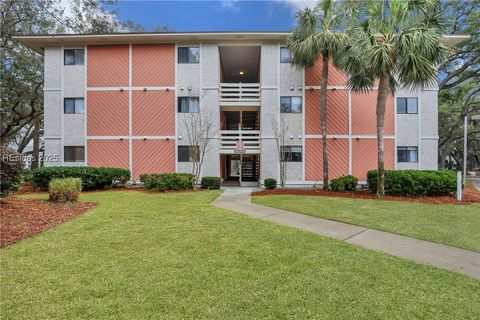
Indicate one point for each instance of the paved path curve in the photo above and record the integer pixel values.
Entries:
(430, 253)
(475, 182)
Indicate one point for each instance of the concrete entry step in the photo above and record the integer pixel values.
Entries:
(230, 183)
(249, 183)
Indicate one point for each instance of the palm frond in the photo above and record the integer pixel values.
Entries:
(398, 38)
(316, 34)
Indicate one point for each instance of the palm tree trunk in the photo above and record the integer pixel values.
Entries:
(323, 119)
(381, 104)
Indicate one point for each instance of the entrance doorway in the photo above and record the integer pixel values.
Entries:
(240, 169)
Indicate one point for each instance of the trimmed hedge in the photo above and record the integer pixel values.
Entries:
(11, 167)
(92, 178)
(64, 190)
(167, 181)
(211, 183)
(270, 183)
(412, 183)
(344, 183)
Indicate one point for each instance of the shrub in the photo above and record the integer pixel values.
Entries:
(211, 182)
(64, 190)
(11, 167)
(344, 183)
(415, 182)
(92, 178)
(270, 183)
(167, 181)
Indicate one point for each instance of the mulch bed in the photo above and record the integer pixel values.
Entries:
(27, 188)
(22, 218)
(470, 195)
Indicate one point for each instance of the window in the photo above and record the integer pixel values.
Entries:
(73, 105)
(291, 104)
(407, 105)
(292, 153)
(188, 55)
(188, 153)
(74, 154)
(285, 56)
(407, 154)
(73, 57)
(188, 104)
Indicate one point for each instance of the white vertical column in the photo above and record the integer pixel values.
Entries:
(85, 104)
(419, 119)
(350, 148)
(277, 108)
(130, 146)
(395, 131)
(304, 107)
(465, 150)
(176, 103)
(62, 92)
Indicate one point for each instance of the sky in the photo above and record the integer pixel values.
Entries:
(226, 15)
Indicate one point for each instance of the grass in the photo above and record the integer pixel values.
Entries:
(174, 256)
(448, 224)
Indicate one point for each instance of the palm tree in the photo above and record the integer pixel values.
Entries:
(394, 42)
(318, 36)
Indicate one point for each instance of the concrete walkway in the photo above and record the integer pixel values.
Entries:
(475, 182)
(430, 253)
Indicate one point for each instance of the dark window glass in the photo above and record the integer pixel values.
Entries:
(285, 104)
(188, 104)
(69, 105)
(73, 57)
(292, 153)
(69, 57)
(74, 154)
(73, 105)
(407, 105)
(401, 105)
(407, 154)
(188, 153)
(291, 104)
(285, 56)
(188, 55)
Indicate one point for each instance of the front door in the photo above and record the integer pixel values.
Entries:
(235, 168)
(232, 167)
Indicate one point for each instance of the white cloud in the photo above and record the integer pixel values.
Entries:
(68, 12)
(300, 4)
(230, 5)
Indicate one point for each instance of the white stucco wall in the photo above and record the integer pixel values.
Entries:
(419, 130)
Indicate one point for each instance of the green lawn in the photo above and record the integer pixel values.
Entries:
(174, 256)
(449, 224)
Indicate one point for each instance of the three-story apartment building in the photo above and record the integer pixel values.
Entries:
(120, 100)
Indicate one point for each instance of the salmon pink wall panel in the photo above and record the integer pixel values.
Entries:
(108, 153)
(337, 155)
(107, 66)
(107, 113)
(337, 112)
(153, 113)
(312, 112)
(153, 65)
(364, 119)
(364, 156)
(313, 75)
(153, 156)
